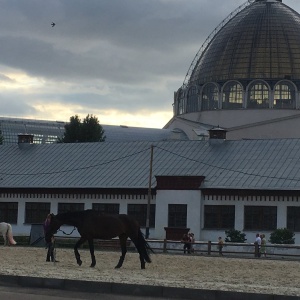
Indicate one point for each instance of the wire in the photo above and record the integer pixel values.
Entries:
(75, 169)
(228, 169)
(147, 149)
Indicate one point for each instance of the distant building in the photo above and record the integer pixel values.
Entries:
(208, 186)
(245, 77)
(45, 132)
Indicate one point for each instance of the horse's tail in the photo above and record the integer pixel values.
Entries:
(10, 235)
(144, 247)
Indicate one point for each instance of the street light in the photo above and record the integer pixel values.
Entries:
(149, 195)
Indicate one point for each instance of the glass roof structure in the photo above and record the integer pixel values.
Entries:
(45, 132)
(251, 61)
(262, 41)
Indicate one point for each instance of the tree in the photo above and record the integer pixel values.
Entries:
(87, 131)
(282, 236)
(235, 236)
(1, 138)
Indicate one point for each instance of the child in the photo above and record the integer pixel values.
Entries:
(220, 246)
(192, 241)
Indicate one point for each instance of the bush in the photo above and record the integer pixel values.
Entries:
(282, 236)
(235, 236)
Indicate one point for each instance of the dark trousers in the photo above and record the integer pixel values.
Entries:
(187, 247)
(220, 250)
(50, 252)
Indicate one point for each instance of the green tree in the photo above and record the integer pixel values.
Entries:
(282, 236)
(235, 236)
(87, 131)
(1, 138)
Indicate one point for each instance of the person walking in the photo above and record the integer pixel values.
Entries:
(220, 246)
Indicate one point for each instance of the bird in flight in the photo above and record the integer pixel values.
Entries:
(52, 24)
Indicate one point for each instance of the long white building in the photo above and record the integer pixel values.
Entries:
(208, 186)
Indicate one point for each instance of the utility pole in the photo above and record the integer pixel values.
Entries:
(149, 195)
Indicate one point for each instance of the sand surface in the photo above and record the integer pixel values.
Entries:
(264, 276)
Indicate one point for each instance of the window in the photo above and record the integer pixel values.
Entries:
(139, 212)
(107, 208)
(177, 216)
(293, 218)
(65, 207)
(260, 217)
(9, 212)
(219, 216)
(258, 96)
(210, 97)
(192, 100)
(232, 96)
(284, 96)
(36, 212)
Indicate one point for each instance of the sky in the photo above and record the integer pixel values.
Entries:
(118, 60)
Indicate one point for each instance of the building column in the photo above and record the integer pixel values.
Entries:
(271, 98)
(281, 215)
(239, 216)
(245, 97)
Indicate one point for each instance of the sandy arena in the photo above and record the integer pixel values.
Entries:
(263, 276)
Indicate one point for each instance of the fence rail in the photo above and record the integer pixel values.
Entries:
(199, 247)
(209, 248)
(170, 246)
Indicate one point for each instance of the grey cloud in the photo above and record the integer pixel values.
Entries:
(112, 54)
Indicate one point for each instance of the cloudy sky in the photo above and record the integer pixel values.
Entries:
(120, 60)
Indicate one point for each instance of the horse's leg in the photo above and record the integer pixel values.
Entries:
(123, 240)
(4, 238)
(142, 260)
(92, 250)
(77, 245)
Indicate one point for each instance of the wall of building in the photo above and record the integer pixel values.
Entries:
(282, 203)
(193, 201)
(21, 228)
(242, 124)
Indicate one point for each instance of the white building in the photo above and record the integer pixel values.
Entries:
(207, 186)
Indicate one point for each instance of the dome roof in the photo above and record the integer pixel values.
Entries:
(262, 41)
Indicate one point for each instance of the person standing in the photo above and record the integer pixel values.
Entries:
(186, 243)
(50, 245)
(192, 241)
(263, 249)
(258, 243)
(220, 246)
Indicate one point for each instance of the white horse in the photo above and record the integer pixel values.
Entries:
(6, 230)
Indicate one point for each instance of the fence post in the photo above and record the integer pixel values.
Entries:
(256, 250)
(165, 246)
(209, 247)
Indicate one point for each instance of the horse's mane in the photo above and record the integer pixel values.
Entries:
(76, 216)
(77, 213)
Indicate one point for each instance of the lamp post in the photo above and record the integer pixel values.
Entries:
(149, 195)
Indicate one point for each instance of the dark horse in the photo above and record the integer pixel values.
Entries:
(91, 225)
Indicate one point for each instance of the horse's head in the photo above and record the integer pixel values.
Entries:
(52, 227)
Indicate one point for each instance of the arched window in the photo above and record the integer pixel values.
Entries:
(258, 96)
(232, 96)
(285, 95)
(192, 100)
(180, 100)
(210, 97)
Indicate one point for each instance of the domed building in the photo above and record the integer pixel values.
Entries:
(246, 76)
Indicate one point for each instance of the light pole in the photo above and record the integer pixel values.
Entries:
(149, 195)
